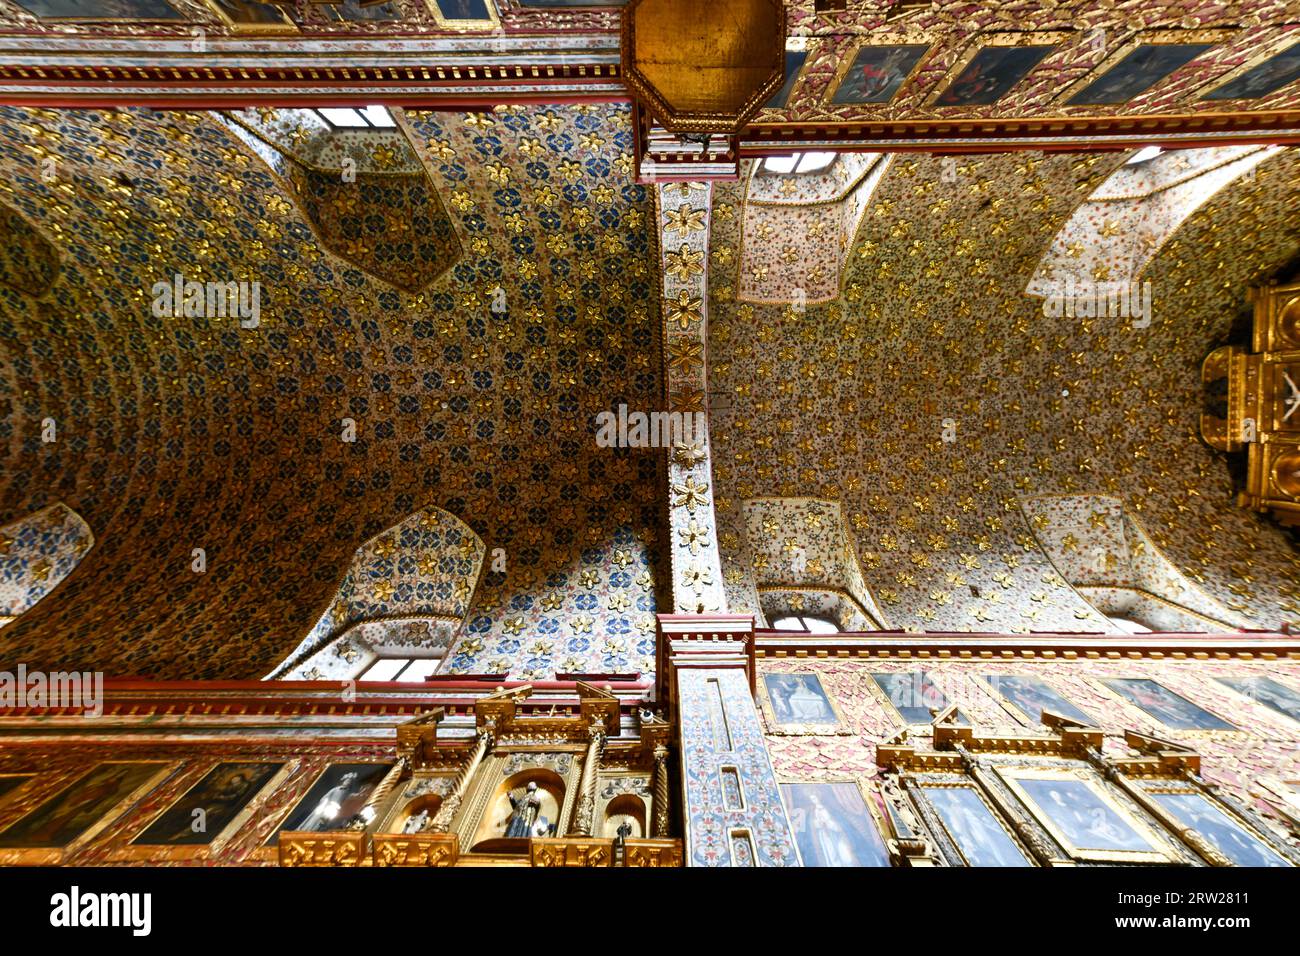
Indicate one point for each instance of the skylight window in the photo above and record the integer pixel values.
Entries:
(806, 622)
(1144, 155)
(404, 669)
(798, 163)
(376, 117)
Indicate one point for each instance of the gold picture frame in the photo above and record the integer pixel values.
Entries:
(1029, 721)
(288, 26)
(1208, 733)
(1156, 853)
(57, 855)
(1049, 38)
(1267, 51)
(1177, 787)
(775, 727)
(23, 778)
(269, 848)
(1214, 37)
(964, 782)
(491, 25)
(1284, 719)
(178, 19)
(134, 852)
(866, 789)
(882, 40)
(901, 722)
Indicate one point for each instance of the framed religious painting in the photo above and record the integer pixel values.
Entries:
(1140, 65)
(247, 17)
(1085, 817)
(912, 697)
(1225, 831)
(875, 73)
(102, 10)
(798, 704)
(834, 824)
(465, 16)
(208, 814)
(1263, 690)
(75, 814)
(1261, 76)
(991, 67)
(1158, 702)
(794, 61)
(1026, 696)
(333, 800)
(972, 825)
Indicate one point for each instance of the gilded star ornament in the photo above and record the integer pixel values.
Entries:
(684, 220)
(684, 309)
(686, 263)
(690, 493)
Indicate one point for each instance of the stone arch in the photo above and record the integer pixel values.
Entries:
(1114, 234)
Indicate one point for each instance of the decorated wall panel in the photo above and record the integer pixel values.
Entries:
(998, 696)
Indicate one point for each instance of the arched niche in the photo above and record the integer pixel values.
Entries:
(625, 808)
(427, 805)
(494, 824)
(28, 261)
(364, 192)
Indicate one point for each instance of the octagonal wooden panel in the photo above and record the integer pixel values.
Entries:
(703, 68)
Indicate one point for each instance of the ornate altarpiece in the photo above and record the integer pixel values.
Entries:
(454, 787)
(996, 769)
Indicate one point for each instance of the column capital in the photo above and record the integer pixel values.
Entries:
(715, 641)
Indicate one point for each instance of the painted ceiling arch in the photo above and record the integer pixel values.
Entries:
(367, 196)
(187, 433)
(426, 566)
(36, 553)
(936, 393)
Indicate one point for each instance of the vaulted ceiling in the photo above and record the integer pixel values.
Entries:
(176, 434)
(935, 396)
(881, 356)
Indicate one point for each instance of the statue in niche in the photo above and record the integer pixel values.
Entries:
(416, 822)
(527, 808)
(624, 831)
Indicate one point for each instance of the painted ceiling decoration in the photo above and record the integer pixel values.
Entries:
(798, 229)
(1104, 552)
(365, 193)
(1119, 229)
(426, 566)
(349, 17)
(239, 436)
(938, 74)
(36, 553)
(29, 261)
(801, 546)
(934, 394)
